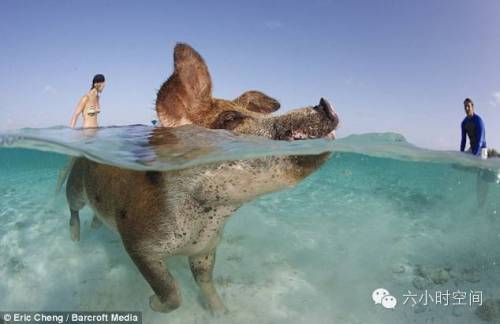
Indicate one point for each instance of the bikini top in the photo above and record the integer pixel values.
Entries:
(92, 111)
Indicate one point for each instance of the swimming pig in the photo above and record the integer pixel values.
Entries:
(182, 212)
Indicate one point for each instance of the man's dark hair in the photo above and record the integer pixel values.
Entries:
(98, 78)
(468, 100)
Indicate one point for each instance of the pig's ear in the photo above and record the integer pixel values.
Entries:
(189, 88)
(258, 102)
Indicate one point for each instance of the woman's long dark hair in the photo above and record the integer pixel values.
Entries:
(98, 78)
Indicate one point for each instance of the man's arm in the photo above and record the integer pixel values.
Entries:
(78, 110)
(480, 135)
(462, 144)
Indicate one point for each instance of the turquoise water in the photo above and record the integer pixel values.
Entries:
(380, 213)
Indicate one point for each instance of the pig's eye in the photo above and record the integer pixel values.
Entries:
(228, 120)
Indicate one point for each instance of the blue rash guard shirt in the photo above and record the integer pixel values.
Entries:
(473, 127)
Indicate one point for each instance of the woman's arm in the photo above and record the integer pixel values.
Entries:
(79, 110)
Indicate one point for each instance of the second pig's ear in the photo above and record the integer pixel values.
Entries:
(258, 102)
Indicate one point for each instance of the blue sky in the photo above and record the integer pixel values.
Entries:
(402, 66)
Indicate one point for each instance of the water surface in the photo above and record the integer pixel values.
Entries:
(380, 213)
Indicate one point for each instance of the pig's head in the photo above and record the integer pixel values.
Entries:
(186, 98)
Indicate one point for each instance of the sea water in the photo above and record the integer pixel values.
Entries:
(381, 213)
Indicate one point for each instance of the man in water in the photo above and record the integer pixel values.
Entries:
(89, 106)
(473, 127)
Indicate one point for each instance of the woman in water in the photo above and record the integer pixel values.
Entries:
(89, 107)
(89, 104)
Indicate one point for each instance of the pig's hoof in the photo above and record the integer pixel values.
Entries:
(75, 234)
(216, 308)
(158, 306)
(218, 311)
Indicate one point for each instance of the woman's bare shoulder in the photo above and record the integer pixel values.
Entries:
(85, 98)
(91, 93)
